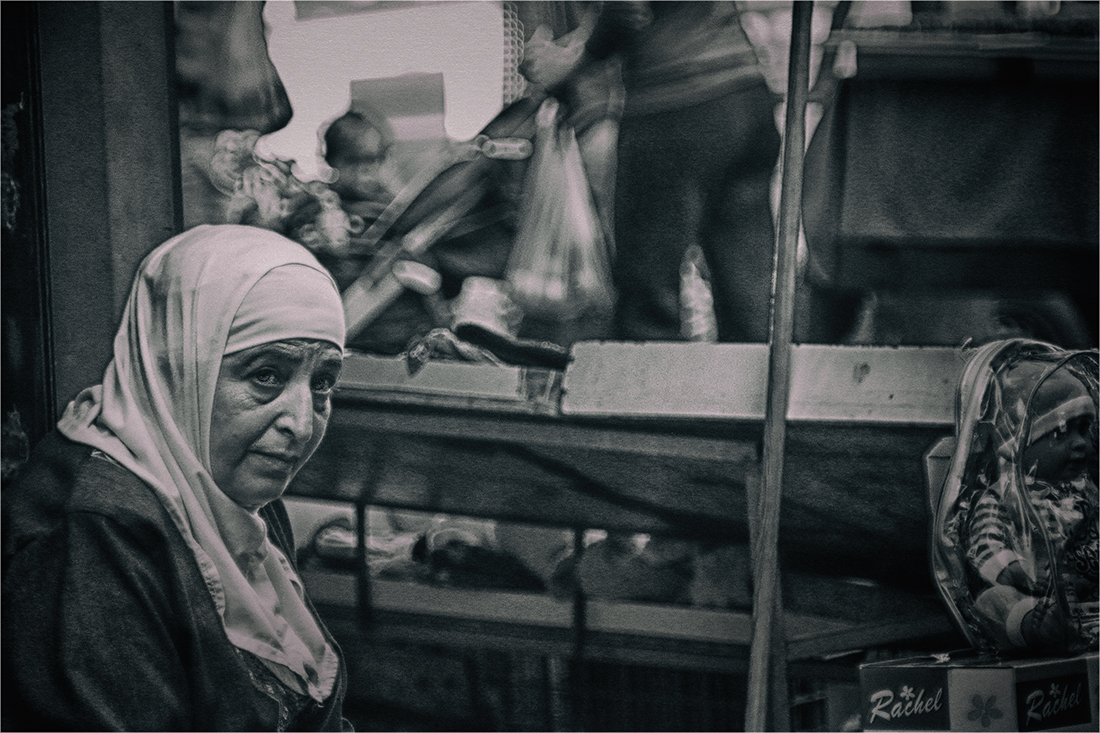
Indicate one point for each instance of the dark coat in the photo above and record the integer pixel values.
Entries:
(107, 622)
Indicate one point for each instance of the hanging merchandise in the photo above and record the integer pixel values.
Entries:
(1014, 543)
(559, 264)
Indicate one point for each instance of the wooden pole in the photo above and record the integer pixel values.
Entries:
(766, 601)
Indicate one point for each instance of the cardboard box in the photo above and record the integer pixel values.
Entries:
(961, 692)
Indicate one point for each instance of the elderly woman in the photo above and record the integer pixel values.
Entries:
(149, 579)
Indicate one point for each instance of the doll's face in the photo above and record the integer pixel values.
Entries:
(1064, 453)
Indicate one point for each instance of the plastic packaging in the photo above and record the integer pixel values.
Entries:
(559, 263)
(1015, 524)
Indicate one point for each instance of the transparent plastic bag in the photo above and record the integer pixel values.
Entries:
(558, 267)
(1015, 524)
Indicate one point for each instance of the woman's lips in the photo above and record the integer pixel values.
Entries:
(280, 462)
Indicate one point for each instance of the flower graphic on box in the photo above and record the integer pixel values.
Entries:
(907, 692)
(985, 710)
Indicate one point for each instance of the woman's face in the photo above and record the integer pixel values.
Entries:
(271, 407)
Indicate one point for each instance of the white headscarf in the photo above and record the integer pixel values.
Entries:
(152, 414)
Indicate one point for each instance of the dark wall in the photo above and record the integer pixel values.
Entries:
(27, 371)
(99, 183)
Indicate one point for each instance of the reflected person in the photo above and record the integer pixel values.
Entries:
(697, 150)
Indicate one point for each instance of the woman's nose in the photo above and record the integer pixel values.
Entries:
(296, 411)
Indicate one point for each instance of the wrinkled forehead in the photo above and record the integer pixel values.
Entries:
(297, 351)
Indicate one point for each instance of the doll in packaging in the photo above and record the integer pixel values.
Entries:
(1014, 545)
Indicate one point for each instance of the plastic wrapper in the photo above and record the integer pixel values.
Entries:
(559, 263)
(1015, 524)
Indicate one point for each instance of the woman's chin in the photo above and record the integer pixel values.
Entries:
(257, 491)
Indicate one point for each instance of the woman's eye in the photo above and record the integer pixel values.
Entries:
(267, 377)
(324, 385)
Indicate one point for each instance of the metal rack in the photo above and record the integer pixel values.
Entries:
(584, 447)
